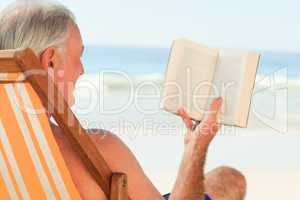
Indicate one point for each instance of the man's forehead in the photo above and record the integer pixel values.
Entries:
(75, 36)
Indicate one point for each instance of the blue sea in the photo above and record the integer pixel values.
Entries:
(140, 61)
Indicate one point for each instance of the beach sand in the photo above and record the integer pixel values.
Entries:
(266, 152)
(271, 172)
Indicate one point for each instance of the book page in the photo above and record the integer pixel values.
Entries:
(228, 82)
(247, 89)
(189, 75)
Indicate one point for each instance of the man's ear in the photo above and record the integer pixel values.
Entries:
(47, 58)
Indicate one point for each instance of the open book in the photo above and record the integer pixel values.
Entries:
(197, 74)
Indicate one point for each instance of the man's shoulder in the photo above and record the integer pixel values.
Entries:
(115, 152)
(105, 138)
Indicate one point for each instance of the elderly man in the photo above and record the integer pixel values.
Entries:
(51, 31)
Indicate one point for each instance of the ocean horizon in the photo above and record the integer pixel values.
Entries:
(153, 60)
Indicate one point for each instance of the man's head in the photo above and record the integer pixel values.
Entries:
(50, 30)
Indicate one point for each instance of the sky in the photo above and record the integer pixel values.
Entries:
(251, 24)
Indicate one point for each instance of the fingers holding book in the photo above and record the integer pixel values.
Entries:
(202, 132)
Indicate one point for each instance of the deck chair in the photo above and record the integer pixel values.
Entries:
(31, 164)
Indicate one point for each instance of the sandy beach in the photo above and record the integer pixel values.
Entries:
(266, 152)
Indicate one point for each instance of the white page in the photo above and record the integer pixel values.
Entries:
(228, 82)
(191, 68)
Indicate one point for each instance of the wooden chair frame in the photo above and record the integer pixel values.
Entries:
(114, 185)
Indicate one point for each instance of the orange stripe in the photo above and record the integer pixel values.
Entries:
(19, 148)
(35, 142)
(3, 188)
(74, 195)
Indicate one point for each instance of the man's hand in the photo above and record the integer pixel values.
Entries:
(203, 133)
(190, 180)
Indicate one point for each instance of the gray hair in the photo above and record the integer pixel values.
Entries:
(34, 24)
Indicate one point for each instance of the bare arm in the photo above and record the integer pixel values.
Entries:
(189, 184)
(190, 180)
